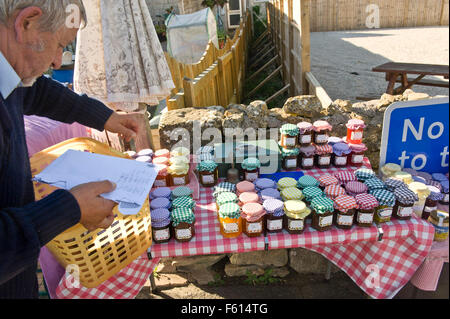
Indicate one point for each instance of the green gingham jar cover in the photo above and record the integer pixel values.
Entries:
(182, 215)
(384, 197)
(374, 183)
(290, 129)
(184, 201)
(224, 187)
(226, 197)
(312, 192)
(207, 166)
(181, 192)
(307, 181)
(322, 205)
(364, 174)
(230, 210)
(251, 163)
(285, 152)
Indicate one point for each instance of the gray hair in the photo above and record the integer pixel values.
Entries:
(55, 12)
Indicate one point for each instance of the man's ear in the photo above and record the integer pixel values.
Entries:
(27, 20)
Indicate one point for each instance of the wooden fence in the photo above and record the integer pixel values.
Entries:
(217, 79)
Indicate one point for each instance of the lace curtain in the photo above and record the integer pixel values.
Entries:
(119, 58)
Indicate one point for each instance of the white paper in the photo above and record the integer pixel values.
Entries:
(133, 179)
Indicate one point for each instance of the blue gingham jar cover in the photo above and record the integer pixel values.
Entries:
(274, 207)
(160, 202)
(269, 193)
(161, 192)
(263, 183)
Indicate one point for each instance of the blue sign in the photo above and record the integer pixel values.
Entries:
(415, 135)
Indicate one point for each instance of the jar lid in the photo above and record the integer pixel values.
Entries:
(341, 149)
(419, 188)
(179, 160)
(390, 169)
(358, 147)
(344, 203)
(181, 191)
(411, 171)
(308, 150)
(182, 215)
(230, 210)
(270, 193)
(355, 124)
(160, 202)
(161, 192)
(205, 157)
(131, 154)
(208, 149)
(311, 192)
(419, 179)
(286, 182)
(289, 129)
(403, 176)
(384, 197)
(435, 193)
(224, 187)
(253, 210)
(305, 127)
(366, 201)
(440, 215)
(144, 159)
(425, 175)
(291, 193)
(248, 197)
(207, 166)
(436, 184)
(335, 140)
(162, 169)
(296, 209)
(323, 149)
(160, 215)
(334, 191)
(245, 186)
(327, 179)
(405, 196)
(161, 161)
(345, 176)
(180, 151)
(322, 205)
(374, 183)
(306, 181)
(363, 174)
(322, 125)
(439, 177)
(162, 153)
(444, 185)
(226, 197)
(251, 164)
(145, 152)
(273, 206)
(285, 152)
(355, 187)
(263, 183)
(184, 201)
(392, 184)
(178, 169)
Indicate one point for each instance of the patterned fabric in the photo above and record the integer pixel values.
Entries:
(341, 149)
(311, 192)
(384, 197)
(392, 184)
(324, 149)
(439, 177)
(333, 191)
(345, 177)
(274, 207)
(322, 205)
(269, 193)
(436, 184)
(364, 174)
(182, 215)
(205, 157)
(230, 210)
(307, 181)
(374, 183)
(354, 188)
(251, 164)
(366, 201)
(207, 166)
(286, 182)
(161, 192)
(226, 197)
(263, 183)
(160, 217)
(181, 192)
(245, 186)
(326, 180)
(289, 129)
(208, 149)
(405, 196)
(160, 202)
(291, 193)
(183, 202)
(344, 203)
(224, 187)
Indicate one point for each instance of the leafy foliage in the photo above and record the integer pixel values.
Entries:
(264, 279)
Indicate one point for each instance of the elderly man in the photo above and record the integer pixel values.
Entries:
(33, 34)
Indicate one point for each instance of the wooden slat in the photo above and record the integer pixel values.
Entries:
(317, 90)
(263, 68)
(277, 94)
(265, 81)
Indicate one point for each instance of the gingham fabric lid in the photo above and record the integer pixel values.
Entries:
(290, 129)
(308, 150)
(384, 197)
(341, 149)
(208, 149)
(363, 174)
(444, 185)
(403, 176)
(322, 205)
(366, 201)
(405, 196)
(182, 215)
(159, 215)
(344, 203)
(230, 210)
(425, 175)
(226, 197)
(205, 157)
(411, 171)
(184, 201)
(207, 166)
(322, 125)
(311, 192)
(439, 177)
(263, 183)
(251, 164)
(144, 159)
(224, 187)
(179, 160)
(252, 211)
(161, 161)
(345, 176)
(305, 127)
(269, 193)
(307, 181)
(285, 152)
(435, 193)
(181, 191)
(286, 182)
(160, 202)
(392, 184)
(273, 206)
(327, 179)
(323, 149)
(355, 187)
(374, 183)
(435, 184)
(291, 193)
(419, 179)
(334, 191)
(245, 186)
(161, 192)
(358, 147)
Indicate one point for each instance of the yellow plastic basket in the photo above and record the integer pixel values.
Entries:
(102, 253)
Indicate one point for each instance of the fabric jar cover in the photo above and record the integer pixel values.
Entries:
(252, 211)
(285, 152)
(384, 197)
(181, 191)
(161, 192)
(444, 185)
(178, 160)
(286, 182)
(322, 205)
(161, 161)
(363, 174)
(274, 207)
(411, 171)
(355, 124)
(308, 150)
(182, 215)
(420, 179)
(289, 129)
(436, 184)
(332, 140)
(344, 203)
(403, 176)
(439, 177)
(345, 177)
(327, 179)
(358, 147)
(341, 149)
(425, 175)
(226, 197)
(333, 191)
(224, 187)
(230, 210)
(131, 154)
(248, 197)
(405, 196)
(392, 184)
(322, 126)
(291, 193)
(208, 149)
(307, 181)
(354, 188)
(366, 201)
(374, 183)
(160, 217)
(162, 169)
(390, 168)
(269, 193)
(180, 151)
(184, 201)
(245, 186)
(323, 149)
(178, 169)
(263, 183)
(160, 202)
(435, 193)
(296, 209)
(250, 164)
(305, 127)
(311, 192)
(146, 152)
(162, 153)
(144, 159)
(205, 157)
(207, 166)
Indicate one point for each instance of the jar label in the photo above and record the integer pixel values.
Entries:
(274, 224)
(345, 220)
(404, 211)
(162, 234)
(385, 212)
(364, 218)
(322, 138)
(341, 160)
(295, 224)
(290, 163)
(325, 221)
(305, 139)
(179, 181)
(429, 209)
(357, 159)
(160, 183)
(254, 227)
(445, 200)
(324, 160)
(356, 135)
(307, 162)
(289, 141)
(251, 176)
(208, 179)
(183, 233)
(230, 227)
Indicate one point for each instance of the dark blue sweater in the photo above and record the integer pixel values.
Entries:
(26, 225)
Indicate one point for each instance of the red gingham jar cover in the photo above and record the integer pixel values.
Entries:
(345, 176)
(327, 179)
(344, 203)
(324, 149)
(355, 187)
(366, 201)
(334, 191)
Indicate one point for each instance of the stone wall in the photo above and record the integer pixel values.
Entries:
(158, 7)
(190, 6)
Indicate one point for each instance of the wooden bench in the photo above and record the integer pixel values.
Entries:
(398, 73)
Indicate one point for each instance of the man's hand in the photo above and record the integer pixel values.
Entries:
(126, 125)
(96, 211)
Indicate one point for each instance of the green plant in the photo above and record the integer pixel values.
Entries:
(160, 28)
(212, 3)
(264, 279)
(218, 281)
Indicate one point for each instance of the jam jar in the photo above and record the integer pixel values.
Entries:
(274, 215)
(306, 157)
(392, 184)
(264, 183)
(253, 222)
(345, 176)
(386, 200)
(403, 176)
(440, 220)
(366, 209)
(248, 197)
(321, 132)
(269, 193)
(444, 186)
(333, 191)
(345, 207)
(404, 202)
(295, 216)
(362, 174)
(161, 227)
(161, 192)
(245, 186)
(289, 158)
(312, 192)
(179, 174)
(250, 169)
(183, 224)
(340, 154)
(181, 191)
(289, 134)
(208, 173)
(323, 155)
(286, 182)
(291, 193)
(355, 129)
(226, 198)
(162, 153)
(306, 133)
(183, 202)
(327, 180)
(422, 192)
(389, 169)
(431, 203)
(223, 188)
(162, 179)
(160, 202)
(354, 188)
(357, 154)
(322, 213)
(230, 220)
